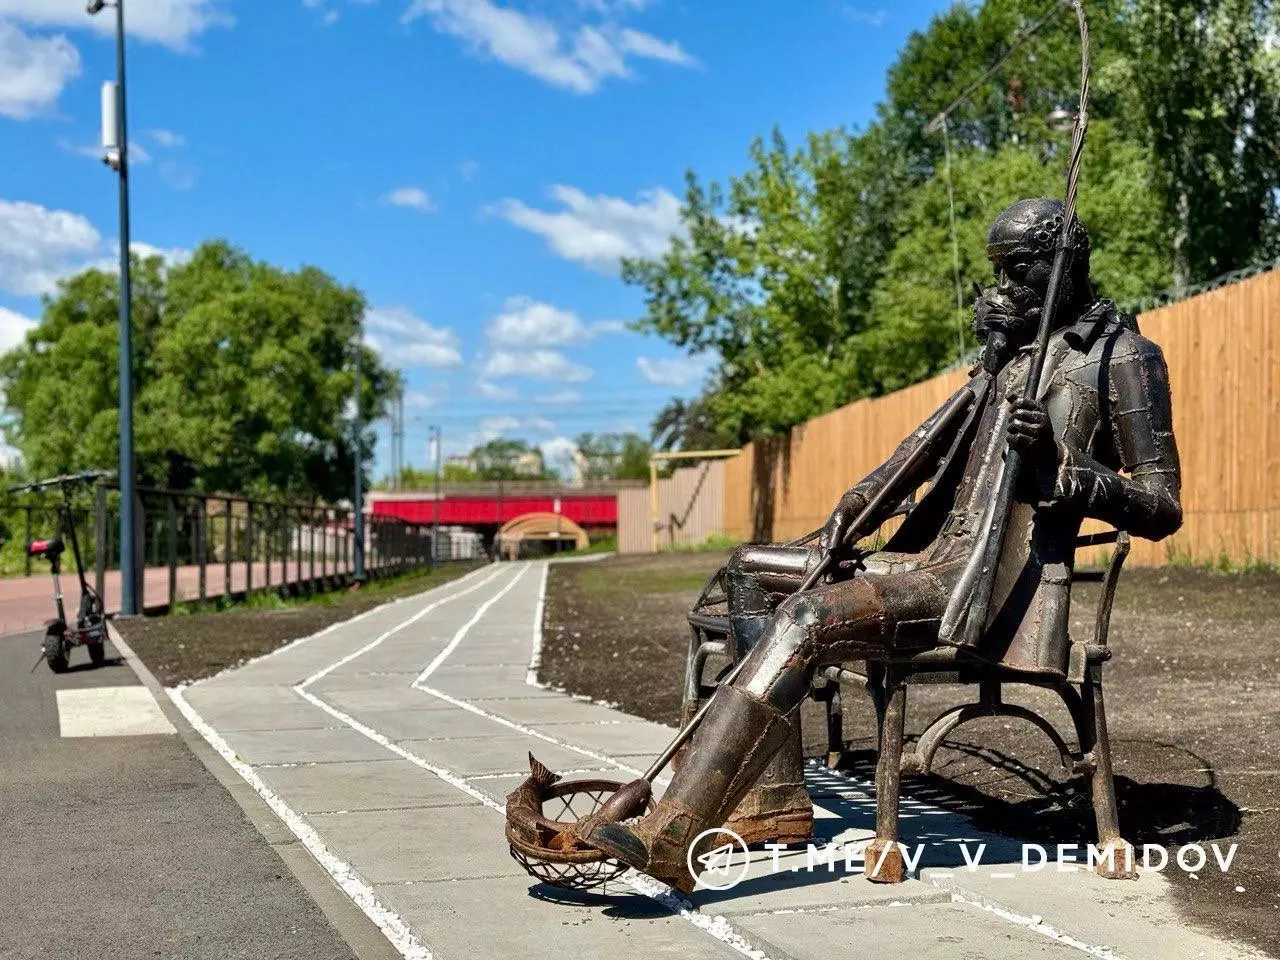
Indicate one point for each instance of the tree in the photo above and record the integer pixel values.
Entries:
(688, 425)
(917, 329)
(614, 456)
(244, 376)
(824, 274)
(503, 459)
(1207, 78)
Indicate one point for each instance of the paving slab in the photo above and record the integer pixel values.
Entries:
(481, 683)
(298, 715)
(257, 747)
(452, 724)
(500, 754)
(225, 691)
(625, 738)
(799, 880)
(1131, 918)
(411, 649)
(366, 699)
(441, 843)
(362, 785)
(918, 931)
(549, 711)
(459, 922)
(352, 677)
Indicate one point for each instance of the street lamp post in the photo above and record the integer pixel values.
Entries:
(129, 606)
(359, 458)
(435, 503)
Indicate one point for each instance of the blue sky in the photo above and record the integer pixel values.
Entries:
(475, 166)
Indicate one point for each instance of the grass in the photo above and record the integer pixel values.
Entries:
(598, 583)
(715, 543)
(602, 545)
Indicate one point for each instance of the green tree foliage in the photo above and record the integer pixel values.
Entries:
(688, 425)
(503, 459)
(614, 456)
(1206, 74)
(244, 373)
(824, 273)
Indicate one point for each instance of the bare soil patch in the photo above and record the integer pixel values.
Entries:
(181, 648)
(1191, 700)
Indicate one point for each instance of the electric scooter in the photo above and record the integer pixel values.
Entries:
(90, 628)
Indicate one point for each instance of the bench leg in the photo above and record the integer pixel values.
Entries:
(835, 725)
(884, 855)
(1116, 854)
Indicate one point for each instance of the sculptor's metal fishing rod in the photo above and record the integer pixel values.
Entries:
(966, 614)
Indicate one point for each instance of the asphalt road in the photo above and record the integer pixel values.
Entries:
(124, 847)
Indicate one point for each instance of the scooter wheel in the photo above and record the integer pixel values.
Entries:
(55, 652)
(97, 653)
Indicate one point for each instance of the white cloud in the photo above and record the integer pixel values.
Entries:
(674, 371)
(491, 428)
(578, 60)
(871, 18)
(599, 230)
(138, 154)
(178, 174)
(527, 322)
(492, 391)
(33, 70)
(541, 364)
(503, 424)
(38, 246)
(109, 262)
(405, 339)
(414, 198)
(172, 23)
(559, 455)
(614, 6)
(641, 44)
(561, 398)
(468, 170)
(417, 400)
(167, 138)
(13, 328)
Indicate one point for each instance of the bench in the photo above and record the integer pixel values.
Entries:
(1080, 690)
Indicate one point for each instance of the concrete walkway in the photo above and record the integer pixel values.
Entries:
(388, 744)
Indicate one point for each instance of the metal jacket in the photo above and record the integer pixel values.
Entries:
(1106, 389)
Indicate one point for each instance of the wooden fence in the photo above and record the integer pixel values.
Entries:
(1223, 350)
(690, 509)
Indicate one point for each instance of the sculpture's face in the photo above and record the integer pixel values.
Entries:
(1022, 245)
(1023, 279)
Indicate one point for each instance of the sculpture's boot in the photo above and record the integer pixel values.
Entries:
(729, 752)
(778, 809)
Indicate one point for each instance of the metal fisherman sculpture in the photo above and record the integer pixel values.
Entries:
(1067, 418)
(1096, 441)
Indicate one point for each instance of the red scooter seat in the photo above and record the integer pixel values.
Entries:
(46, 548)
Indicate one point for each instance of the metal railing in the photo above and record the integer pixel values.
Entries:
(195, 546)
